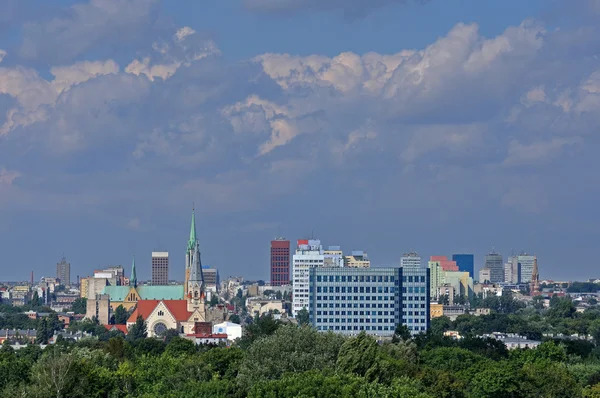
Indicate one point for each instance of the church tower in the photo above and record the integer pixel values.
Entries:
(194, 280)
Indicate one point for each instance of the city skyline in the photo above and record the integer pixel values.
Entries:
(443, 126)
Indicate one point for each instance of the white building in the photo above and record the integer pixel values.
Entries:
(411, 259)
(232, 330)
(525, 262)
(309, 254)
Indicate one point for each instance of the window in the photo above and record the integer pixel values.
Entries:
(161, 313)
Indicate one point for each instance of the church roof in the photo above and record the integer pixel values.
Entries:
(168, 292)
(176, 307)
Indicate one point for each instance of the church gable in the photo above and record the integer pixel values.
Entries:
(197, 316)
(132, 295)
(160, 320)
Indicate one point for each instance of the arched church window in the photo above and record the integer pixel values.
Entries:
(161, 313)
(196, 294)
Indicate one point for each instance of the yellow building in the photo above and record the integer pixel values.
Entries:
(83, 287)
(436, 310)
(358, 259)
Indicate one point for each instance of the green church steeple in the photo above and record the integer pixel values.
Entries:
(192, 241)
(133, 279)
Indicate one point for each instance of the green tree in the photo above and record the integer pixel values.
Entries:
(303, 317)
(35, 300)
(214, 300)
(180, 346)
(402, 333)
(138, 330)
(41, 336)
(169, 335)
(497, 380)
(79, 305)
(121, 315)
(235, 318)
(289, 349)
(357, 355)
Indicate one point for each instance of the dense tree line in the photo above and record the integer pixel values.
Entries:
(284, 360)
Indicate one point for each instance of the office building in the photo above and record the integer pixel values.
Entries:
(375, 300)
(358, 259)
(309, 254)
(465, 263)
(63, 272)
(280, 262)
(526, 263)
(411, 259)
(435, 279)
(495, 263)
(512, 271)
(447, 265)
(160, 268)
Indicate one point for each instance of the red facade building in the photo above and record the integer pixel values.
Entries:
(280, 262)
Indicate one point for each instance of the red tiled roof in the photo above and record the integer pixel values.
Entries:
(176, 307)
(179, 309)
(122, 328)
(143, 308)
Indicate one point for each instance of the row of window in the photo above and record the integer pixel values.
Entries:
(380, 313)
(415, 298)
(415, 289)
(411, 320)
(411, 306)
(355, 320)
(356, 298)
(414, 313)
(344, 327)
(355, 305)
(357, 289)
(415, 278)
(355, 278)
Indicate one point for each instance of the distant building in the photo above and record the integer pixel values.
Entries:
(160, 268)
(415, 298)
(232, 330)
(211, 278)
(466, 263)
(411, 259)
(309, 254)
(447, 265)
(358, 259)
(333, 257)
(484, 275)
(63, 272)
(526, 263)
(495, 263)
(280, 262)
(512, 271)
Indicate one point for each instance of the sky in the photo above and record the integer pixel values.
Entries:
(454, 126)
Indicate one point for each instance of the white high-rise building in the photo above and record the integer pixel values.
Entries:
(309, 254)
(334, 257)
(411, 259)
(526, 262)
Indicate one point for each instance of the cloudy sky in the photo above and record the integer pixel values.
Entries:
(441, 126)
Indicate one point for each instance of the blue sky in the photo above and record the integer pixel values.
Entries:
(441, 126)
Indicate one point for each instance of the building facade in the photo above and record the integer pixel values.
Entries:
(280, 262)
(333, 257)
(63, 272)
(526, 263)
(211, 278)
(415, 286)
(465, 263)
(375, 300)
(309, 254)
(495, 263)
(160, 268)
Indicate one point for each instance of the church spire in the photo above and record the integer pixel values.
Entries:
(192, 241)
(133, 279)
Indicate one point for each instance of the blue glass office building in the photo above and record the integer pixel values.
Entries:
(375, 300)
(465, 263)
